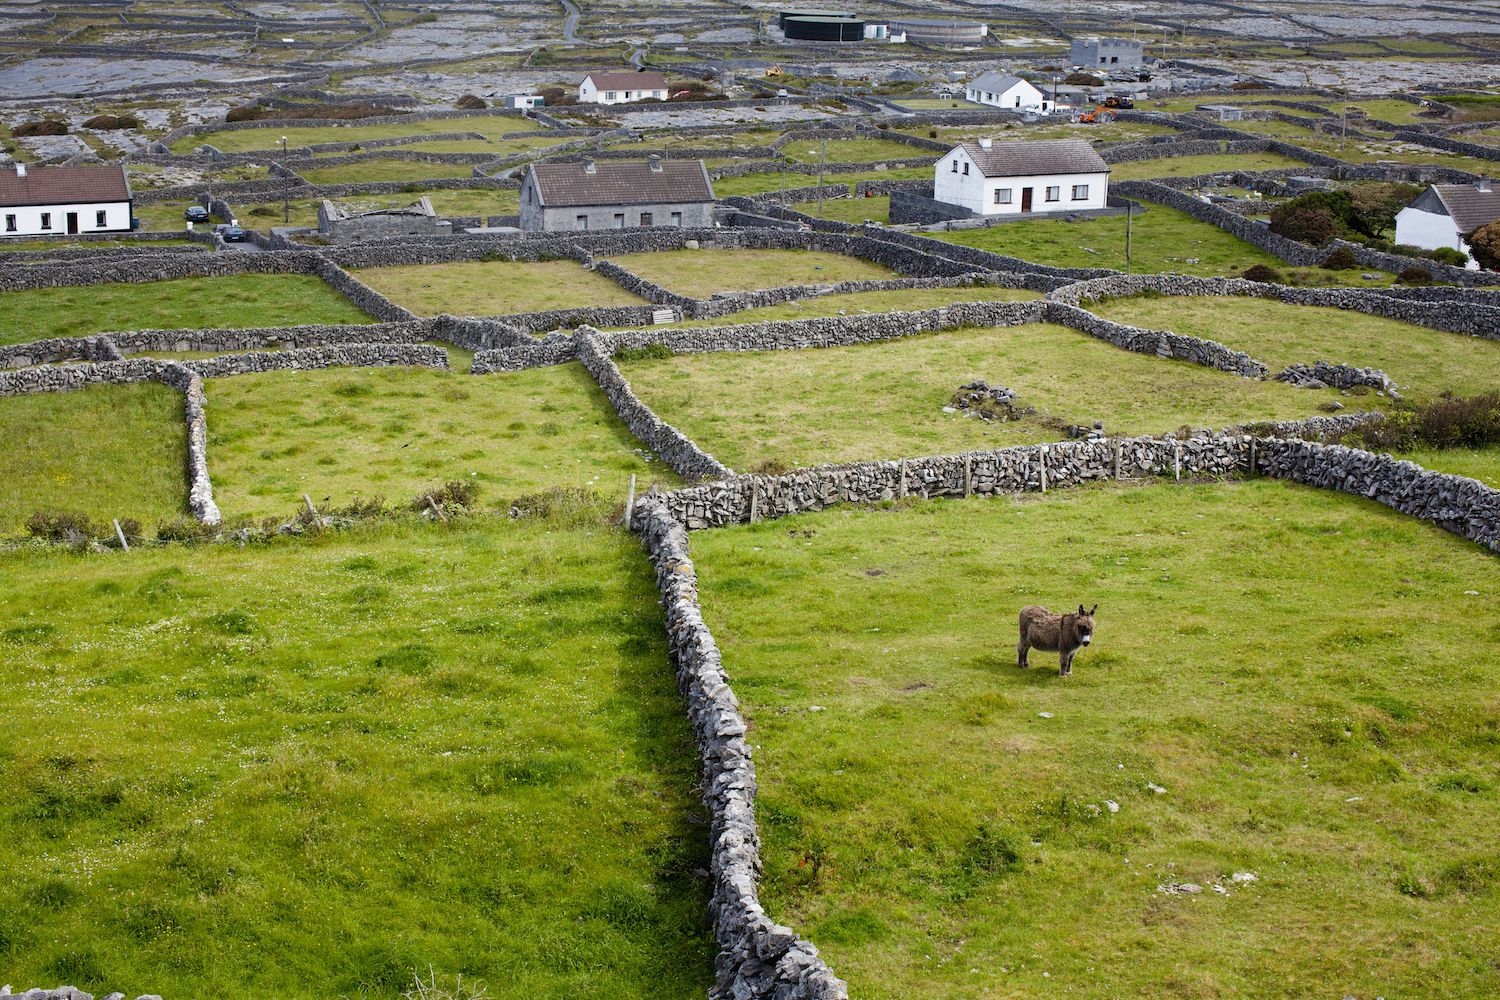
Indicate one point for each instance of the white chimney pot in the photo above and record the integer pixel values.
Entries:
(20, 170)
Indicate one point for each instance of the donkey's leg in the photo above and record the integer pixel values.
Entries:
(1021, 648)
(1065, 662)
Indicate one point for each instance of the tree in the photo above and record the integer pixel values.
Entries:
(1306, 225)
(1082, 80)
(1485, 244)
(1373, 207)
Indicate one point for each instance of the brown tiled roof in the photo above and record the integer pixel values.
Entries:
(1469, 207)
(622, 182)
(1046, 156)
(629, 81)
(62, 185)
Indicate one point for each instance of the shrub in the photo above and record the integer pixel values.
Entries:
(470, 102)
(1448, 255)
(64, 526)
(1414, 276)
(1485, 242)
(772, 467)
(185, 529)
(1304, 224)
(1445, 422)
(454, 495)
(650, 352)
(108, 123)
(43, 127)
(1341, 259)
(566, 507)
(1083, 80)
(1247, 85)
(1263, 273)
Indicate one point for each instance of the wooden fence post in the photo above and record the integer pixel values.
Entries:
(754, 499)
(1118, 449)
(901, 487)
(1043, 479)
(1177, 460)
(630, 501)
(1252, 456)
(432, 506)
(120, 534)
(317, 521)
(968, 475)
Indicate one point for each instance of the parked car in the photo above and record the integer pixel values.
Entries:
(196, 213)
(232, 234)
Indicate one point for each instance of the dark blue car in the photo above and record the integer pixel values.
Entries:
(232, 234)
(196, 213)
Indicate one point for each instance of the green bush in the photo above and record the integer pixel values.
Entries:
(1417, 276)
(1446, 422)
(1263, 273)
(650, 352)
(1450, 256)
(1340, 259)
(64, 526)
(456, 495)
(185, 529)
(566, 507)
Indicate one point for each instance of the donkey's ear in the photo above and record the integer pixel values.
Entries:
(1081, 611)
(1092, 610)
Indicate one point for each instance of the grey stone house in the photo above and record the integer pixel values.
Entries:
(344, 223)
(1106, 53)
(616, 194)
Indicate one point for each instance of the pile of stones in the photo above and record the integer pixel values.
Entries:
(1322, 375)
(988, 402)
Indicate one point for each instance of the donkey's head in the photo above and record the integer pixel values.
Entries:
(1083, 622)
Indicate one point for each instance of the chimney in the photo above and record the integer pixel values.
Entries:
(1482, 184)
(986, 143)
(20, 169)
(655, 162)
(588, 166)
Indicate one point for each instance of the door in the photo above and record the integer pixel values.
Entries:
(1026, 199)
(72, 223)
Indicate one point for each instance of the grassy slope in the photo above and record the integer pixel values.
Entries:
(384, 170)
(1162, 239)
(241, 300)
(269, 138)
(854, 211)
(1423, 361)
(304, 770)
(107, 451)
(700, 273)
(1314, 704)
(885, 400)
(495, 288)
(396, 431)
(1482, 464)
(483, 203)
(768, 182)
(852, 151)
(1188, 166)
(854, 303)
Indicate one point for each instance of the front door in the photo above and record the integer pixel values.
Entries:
(72, 223)
(1026, 199)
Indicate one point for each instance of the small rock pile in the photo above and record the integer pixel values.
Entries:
(1322, 375)
(66, 993)
(988, 402)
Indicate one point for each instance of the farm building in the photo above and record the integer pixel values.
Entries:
(1000, 90)
(348, 223)
(43, 201)
(620, 88)
(616, 194)
(832, 28)
(1012, 178)
(940, 30)
(1445, 215)
(1096, 53)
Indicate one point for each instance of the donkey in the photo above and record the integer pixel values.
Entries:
(1065, 634)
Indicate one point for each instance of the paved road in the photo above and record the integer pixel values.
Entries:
(570, 24)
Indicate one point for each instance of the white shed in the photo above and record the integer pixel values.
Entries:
(1015, 178)
(998, 90)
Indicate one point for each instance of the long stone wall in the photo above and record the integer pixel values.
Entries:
(311, 358)
(1161, 343)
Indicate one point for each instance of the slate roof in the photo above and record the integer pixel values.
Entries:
(628, 81)
(621, 182)
(1469, 207)
(62, 185)
(996, 83)
(1048, 156)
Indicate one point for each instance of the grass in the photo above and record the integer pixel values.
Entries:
(1482, 464)
(240, 300)
(106, 451)
(395, 747)
(459, 203)
(694, 140)
(269, 137)
(855, 211)
(777, 181)
(392, 432)
(886, 400)
(852, 151)
(1189, 166)
(384, 170)
(52, 246)
(1162, 239)
(854, 303)
(495, 288)
(1107, 131)
(1301, 672)
(166, 217)
(1423, 361)
(700, 273)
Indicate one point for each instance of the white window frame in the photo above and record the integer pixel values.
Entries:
(46, 220)
(609, 95)
(10, 224)
(1053, 193)
(966, 169)
(1004, 196)
(100, 219)
(1080, 192)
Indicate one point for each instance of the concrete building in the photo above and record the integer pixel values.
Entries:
(1016, 178)
(999, 90)
(45, 201)
(939, 30)
(1445, 215)
(620, 88)
(1106, 53)
(616, 194)
(349, 224)
(523, 101)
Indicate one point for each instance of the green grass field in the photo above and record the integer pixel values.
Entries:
(700, 273)
(1482, 464)
(383, 170)
(495, 288)
(269, 138)
(769, 182)
(106, 451)
(855, 211)
(41, 247)
(240, 300)
(1300, 673)
(340, 434)
(1162, 239)
(1189, 166)
(312, 768)
(1107, 131)
(1423, 362)
(855, 303)
(451, 203)
(852, 151)
(886, 400)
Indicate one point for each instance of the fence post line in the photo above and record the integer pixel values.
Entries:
(1042, 455)
(317, 521)
(1118, 449)
(1252, 456)
(120, 534)
(968, 475)
(901, 487)
(754, 498)
(1177, 460)
(629, 501)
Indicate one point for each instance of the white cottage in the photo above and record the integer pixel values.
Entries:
(620, 88)
(48, 201)
(1446, 214)
(1010, 92)
(1013, 178)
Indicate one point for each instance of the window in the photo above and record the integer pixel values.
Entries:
(619, 220)
(1002, 196)
(1054, 194)
(609, 95)
(677, 219)
(647, 219)
(46, 220)
(10, 223)
(582, 222)
(1080, 192)
(966, 170)
(99, 219)
(955, 166)
(1018, 100)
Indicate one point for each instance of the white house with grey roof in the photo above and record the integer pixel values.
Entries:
(622, 88)
(1014, 178)
(1445, 215)
(616, 194)
(1000, 90)
(64, 200)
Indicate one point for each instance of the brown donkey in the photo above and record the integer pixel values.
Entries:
(1065, 634)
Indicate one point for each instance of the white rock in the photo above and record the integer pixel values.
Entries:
(1243, 877)
(1112, 805)
(1045, 715)
(1156, 788)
